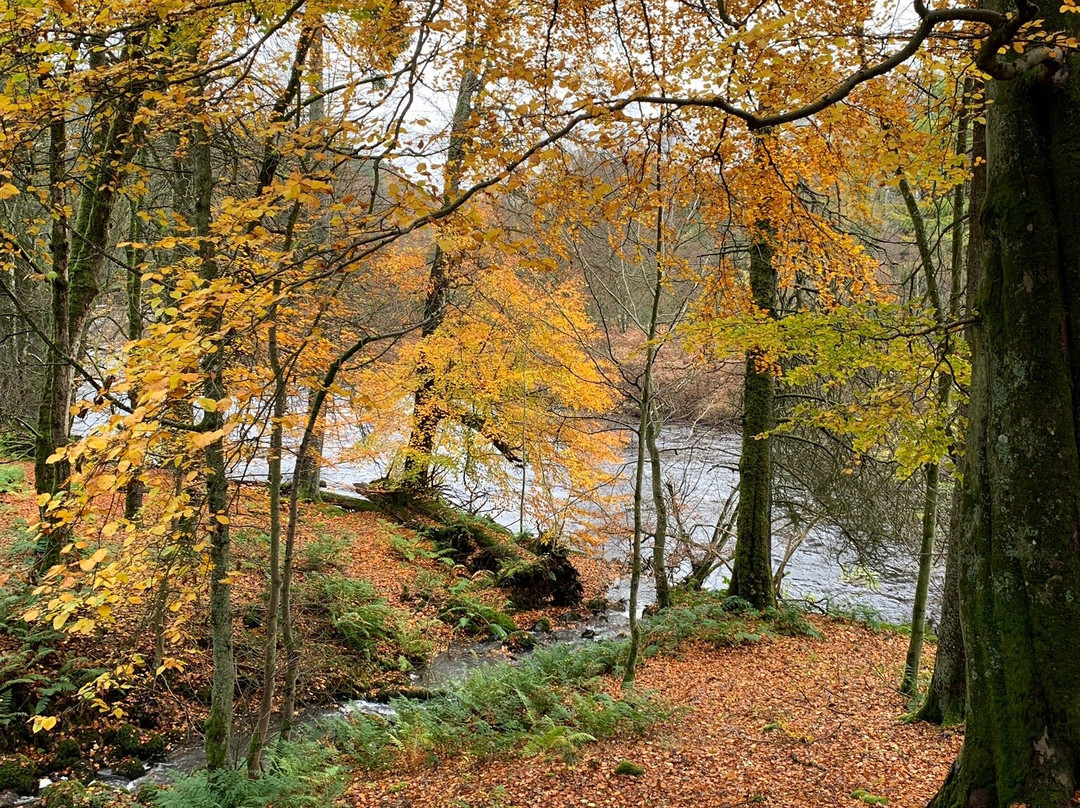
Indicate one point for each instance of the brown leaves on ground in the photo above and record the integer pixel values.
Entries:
(795, 722)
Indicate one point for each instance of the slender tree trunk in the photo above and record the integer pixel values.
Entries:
(944, 703)
(751, 570)
(309, 478)
(643, 430)
(220, 721)
(135, 489)
(910, 684)
(663, 590)
(946, 699)
(1020, 554)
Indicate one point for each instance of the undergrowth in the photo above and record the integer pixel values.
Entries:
(298, 774)
(550, 704)
(367, 625)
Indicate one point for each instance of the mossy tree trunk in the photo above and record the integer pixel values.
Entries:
(219, 722)
(76, 258)
(1020, 553)
(751, 571)
(946, 698)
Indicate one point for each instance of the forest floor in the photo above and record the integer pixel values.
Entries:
(782, 721)
(791, 722)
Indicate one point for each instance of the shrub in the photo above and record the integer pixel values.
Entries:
(365, 622)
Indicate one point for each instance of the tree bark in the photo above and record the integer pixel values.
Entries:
(945, 700)
(135, 488)
(751, 570)
(76, 269)
(1020, 554)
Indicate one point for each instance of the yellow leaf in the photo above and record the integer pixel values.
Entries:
(7, 190)
(44, 722)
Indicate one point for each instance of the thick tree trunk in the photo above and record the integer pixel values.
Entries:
(52, 421)
(76, 268)
(1020, 555)
(751, 570)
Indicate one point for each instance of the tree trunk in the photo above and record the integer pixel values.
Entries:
(76, 269)
(266, 696)
(663, 590)
(909, 686)
(135, 488)
(946, 699)
(751, 570)
(219, 723)
(644, 430)
(428, 410)
(1020, 555)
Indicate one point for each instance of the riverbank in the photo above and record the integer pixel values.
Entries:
(787, 722)
(376, 602)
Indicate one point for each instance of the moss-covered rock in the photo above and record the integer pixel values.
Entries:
(521, 640)
(68, 752)
(627, 768)
(129, 768)
(153, 747)
(131, 743)
(73, 794)
(147, 793)
(126, 739)
(19, 774)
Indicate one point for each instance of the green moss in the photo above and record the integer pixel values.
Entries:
(474, 617)
(19, 774)
(868, 798)
(521, 640)
(130, 768)
(126, 739)
(628, 768)
(67, 754)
